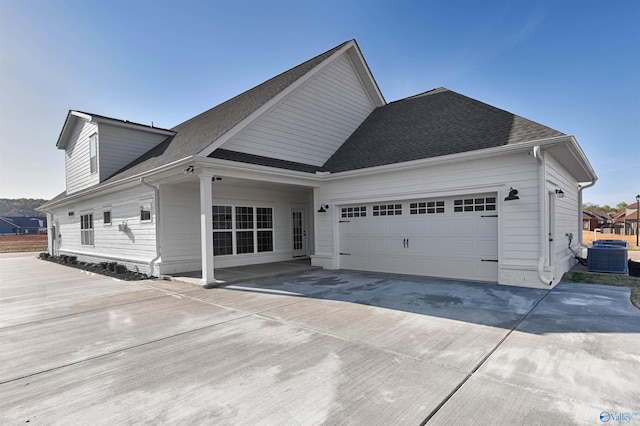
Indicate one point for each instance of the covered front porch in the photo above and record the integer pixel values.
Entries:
(213, 226)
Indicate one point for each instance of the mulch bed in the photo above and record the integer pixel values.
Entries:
(110, 269)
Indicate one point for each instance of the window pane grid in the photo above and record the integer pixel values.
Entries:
(222, 217)
(426, 207)
(244, 242)
(222, 243)
(358, 211)
(264, 218)
(387, 210)
(244, 217)
(252, 230)
(86, 229)
(474, 205)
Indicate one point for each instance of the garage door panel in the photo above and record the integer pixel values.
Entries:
(486, 226)
(438, 247)
(450, 244)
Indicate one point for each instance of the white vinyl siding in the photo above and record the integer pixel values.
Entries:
(181, 223)
(77, 158)
(566, 211)
(313, 122)
(119, 146)
(135, 243)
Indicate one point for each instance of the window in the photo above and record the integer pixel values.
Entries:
(106, 217)
(145, 211)
(93, 153)
(86, 229)
(264, 221)
(222, 234)
(387, 210)
(426, 207)
(250, 228)
(474, 204)
(360, 211)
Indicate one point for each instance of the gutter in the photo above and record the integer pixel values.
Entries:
(580, 211)
(157, 211)
(539, 156)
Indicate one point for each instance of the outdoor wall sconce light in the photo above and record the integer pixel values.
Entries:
(188, 170)
(323, 208)
(513, 195)
(123, 227)
(559, 193)
(216, 179)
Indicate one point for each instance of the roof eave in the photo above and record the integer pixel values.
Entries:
(69, 125)
(453, 158)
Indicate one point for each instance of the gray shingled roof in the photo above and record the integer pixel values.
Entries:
(432, 124)
(199, 132)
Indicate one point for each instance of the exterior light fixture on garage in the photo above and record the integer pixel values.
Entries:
(513, 195)
(559, 193)
(323, 208)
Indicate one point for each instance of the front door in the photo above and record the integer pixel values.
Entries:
(298, 233)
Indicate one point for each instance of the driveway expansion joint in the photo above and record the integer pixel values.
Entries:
(483, 361)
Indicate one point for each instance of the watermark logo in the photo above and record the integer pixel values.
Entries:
(616, 417)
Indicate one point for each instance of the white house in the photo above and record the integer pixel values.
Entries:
(314, 162)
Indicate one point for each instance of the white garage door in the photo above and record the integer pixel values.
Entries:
(454, 237)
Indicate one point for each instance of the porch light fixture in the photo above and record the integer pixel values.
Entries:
(216, 179)
(513, 195)
(559, 193)
(323, 208)
(188, 170)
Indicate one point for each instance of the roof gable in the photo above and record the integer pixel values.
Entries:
(432, 124)
(200, 132)
(308, 123)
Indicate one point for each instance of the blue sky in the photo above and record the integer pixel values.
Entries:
(571, 65)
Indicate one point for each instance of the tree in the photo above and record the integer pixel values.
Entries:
(21, 207)
(621, 207)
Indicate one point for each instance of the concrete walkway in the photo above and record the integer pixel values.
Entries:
(321, 347)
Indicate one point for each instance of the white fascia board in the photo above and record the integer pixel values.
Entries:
(272, 102)
(249, 171)
(68, 126)
(133, 126)
(581, 158)
(452, 158)
(356, 58)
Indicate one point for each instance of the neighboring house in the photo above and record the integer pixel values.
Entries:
(12, 225)
(593, 219)
(632, 219)
(314, 162)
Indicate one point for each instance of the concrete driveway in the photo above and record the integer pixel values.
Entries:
(324, 347)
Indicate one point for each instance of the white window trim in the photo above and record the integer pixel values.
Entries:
(254, 230)
(144, 203)
(92, 229)
(107, 209)
(93, 140)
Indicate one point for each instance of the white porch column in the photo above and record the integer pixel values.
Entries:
(206, 228)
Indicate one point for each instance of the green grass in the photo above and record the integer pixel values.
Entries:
(618, 280)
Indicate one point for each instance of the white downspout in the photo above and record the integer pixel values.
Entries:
(580, 211)
(542, 192)
(156, 192)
